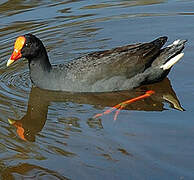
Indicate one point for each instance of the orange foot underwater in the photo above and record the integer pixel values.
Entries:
(121, 105)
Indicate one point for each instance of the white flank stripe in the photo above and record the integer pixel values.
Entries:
(172, 61)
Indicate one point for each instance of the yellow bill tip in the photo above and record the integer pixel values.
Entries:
(9, 62)
(11, 121)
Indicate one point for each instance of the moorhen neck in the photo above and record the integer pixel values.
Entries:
(121, 68)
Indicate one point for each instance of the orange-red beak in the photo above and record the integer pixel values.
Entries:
(20, 41)
(20, 129)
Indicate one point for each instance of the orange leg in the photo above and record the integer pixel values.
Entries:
(121, 105)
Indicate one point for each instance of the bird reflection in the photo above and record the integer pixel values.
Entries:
(39, 100)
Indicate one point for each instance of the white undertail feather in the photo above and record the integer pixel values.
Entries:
(174, 43)
(172, 61)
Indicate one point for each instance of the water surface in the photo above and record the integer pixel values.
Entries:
(151, 139)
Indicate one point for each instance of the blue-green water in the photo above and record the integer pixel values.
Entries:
(151, 139)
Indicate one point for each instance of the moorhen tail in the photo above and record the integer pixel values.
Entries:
(121, 68)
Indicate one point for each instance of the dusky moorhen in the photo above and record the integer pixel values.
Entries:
(121, 68)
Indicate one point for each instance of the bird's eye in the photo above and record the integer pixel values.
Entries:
(27, 44)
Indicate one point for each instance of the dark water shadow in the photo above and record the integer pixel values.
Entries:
(29, 171)
(34, 119)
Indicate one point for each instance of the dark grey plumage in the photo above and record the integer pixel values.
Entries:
(121, 68)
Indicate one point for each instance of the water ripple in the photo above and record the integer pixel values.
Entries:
(17, 81)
